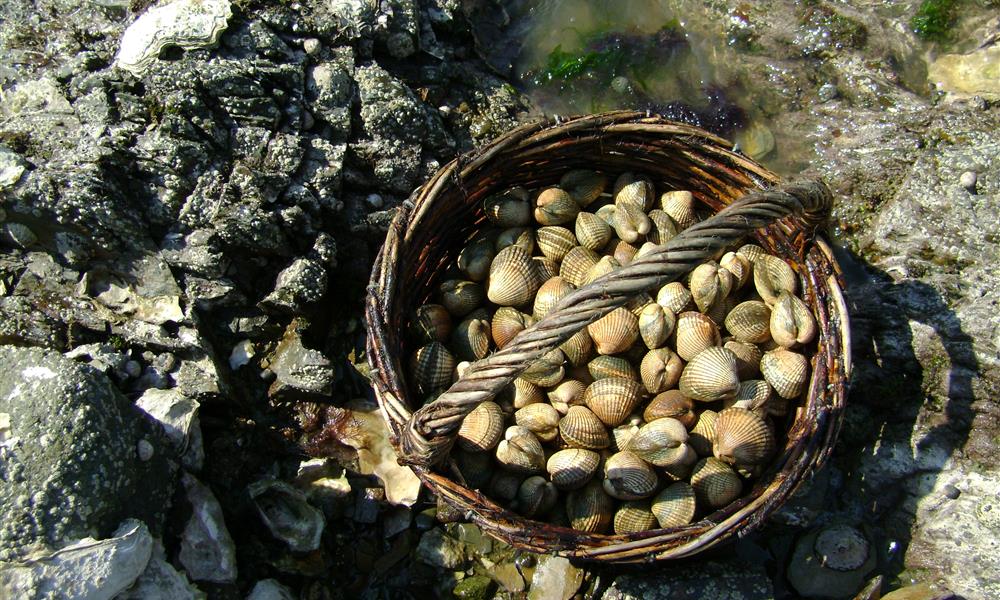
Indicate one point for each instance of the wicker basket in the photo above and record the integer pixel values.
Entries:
(434, 224)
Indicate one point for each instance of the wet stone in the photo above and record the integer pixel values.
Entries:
(477, 587)
(299, 369)
(507, 575)
(555, 578)
(439, 550)
(706, 580)
(301, 283)
(367, 502)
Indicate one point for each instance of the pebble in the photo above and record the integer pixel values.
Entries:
(968, 181)
(145, 450)
(477, 587)
(312, 46)
(555, 579)
(952, 492)
(439, 550)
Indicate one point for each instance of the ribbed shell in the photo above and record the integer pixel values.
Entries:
(750, 322)
(549, 294)
(578, 349)
(695, 333)
(702, 435)
(513, 278)
(612, 399)
(474, 260)
(573, 467)
(715, 484)
(614, 332)
(636, 192)
(577, 263)
(591, 231)
(523, 237)
(508, 322)
(471, 339)
(631, 224)
(680, 206)
(655, 325)
(547, 370)
(607, 213)
(568, 393)
(661, 442)
(526, 393)
(753, 395)
(747, 358)
(638, 303)
(482, 428)
(536, 496)
(742, 438)
(431, 323)
(634, 516)
(675, 297)
(710, 376)
(786, 371)
(664, 229)
(589, 509)
(611, 366)
(541, 419)
(738, 265)
(431, 367)
(675, 505)
(672, 404)
(554, 206)
(628, 477)
(622, 435)
(555, 241)
(709, 285)
(751, 252)
(792, 324)
(581, 428)
(605, 265)
(521, 451)
(660, 370)
(583, 185)
(508, 210)
(771, 276)
(547, 267)
(622, 251)
(461, 297)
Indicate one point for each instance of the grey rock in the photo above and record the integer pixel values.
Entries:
(11, 168)
(270, 589)
(299, 369)
(331, 88)
(70, 462)
(707, 580)
(195, 252)
(389, 109)
(439, 550)
(367, 504)
(300, 284)
(207, 550)
(161, 581)
(322, 172)
(287, 514)
(18, 235)
(178, 415)
(968, 181)
(103, 357)
(831, 562)
(556, 578)
(198, 377)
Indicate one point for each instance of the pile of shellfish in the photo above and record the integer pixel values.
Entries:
(658, 413)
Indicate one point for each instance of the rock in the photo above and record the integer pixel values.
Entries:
(704, 580)
(397, 520)
(287, 515)
(241, 354)
(367, 502)
(207, 551)
(331, 84)
(88, 569)
(476, 542)
(555, 578)
(831, 562)
(300, 284)
(194, 252)
(477, 587)
(18, 235)
(297, 369)
(11, 168)
(161, 581)
(178, 415)
(974, 73)
(325, 485)
(508, 576)
(197, 377)
(439, 550)
(188, 24)
(69, 462)
(920, 591)
(270, 589)
(103, 357)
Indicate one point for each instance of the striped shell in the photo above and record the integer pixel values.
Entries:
(638, 303)
(710, 376)
(573, 467)
(615, 331)
(622, 251)
(475, 467)
(577, 263)
(547, 370)
(655, 325)
(471, 339)
(715, 484)
(547, 267)
(513, 278)
(675, 505)
(709, 285)
(631, 224)
(786, 371)
(554, 206)
(508, 322)
(695, 333)
(680, 206)
(461, 297)
(510, 209)
(431, 323)
(660, 370)
(747, 358)
(541, 419)
(592, 231)
(792, 324)
(520, 451)
(661, 442)
(622, 435)
(742, 438)
(702, 435)
(739, 266)
(583, 185)
(475, 259)
(581, 428)
(579, 348)
(752, 395)
(590, 509)
(675, 297)
(524, 393)
(771, 276)
(751, 252)
(672, 404)
(612, 399)
(605, 265)
(664, 229)
(482, 428)
(431, 367)
(636, 190)
(523, 237)
(634, 516)
(568, 393)
(555, 241)
(536, 496)
(611, 366)
(549, 294)
(628, 477)
(750, 322)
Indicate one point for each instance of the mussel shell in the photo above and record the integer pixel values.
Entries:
(695, 333)
(549, 294)
(613, 398)
(431, 323)
(513, 278)
(508, 322)
(580, 428)
(702, 435)
(634, 516)
(590, 509)
(583, 185)
(555, 241)
(432, 366)
(482, 428)
(749, 322)
(628, 477)
(675, 297)
(536, 496)
(572, 468)
(680, 206)
(611, 366)
(568, 393)
(672, 404)
(660, 370)
(786, 371)
(655, 325)
(715, 483)
(771, 277)
(742, 438)
(554, 206)
(521, 451)
(577, 263)
(675, 505)
(747, 358)
(710, 376)
(614, 332)
(592, 231)
(461, 297)
(471, 339)
(541, 419)
(578, 349)
(792, 324)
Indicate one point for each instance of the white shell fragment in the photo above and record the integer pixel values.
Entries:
(188, 24)
(207, 551)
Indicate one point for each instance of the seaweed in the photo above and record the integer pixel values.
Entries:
(934, 19)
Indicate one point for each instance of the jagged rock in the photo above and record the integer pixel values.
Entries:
(270, 589)
(331, 86)
(197, 377)
(706, 580)
(17, 235)
(477, 587)
(298, 369)
(11, 168)
(207, 551)
(301, 283)
(161, 581)
(178, 415)
(437, 549)
(287, 515)
(194, 252)
(103, 357)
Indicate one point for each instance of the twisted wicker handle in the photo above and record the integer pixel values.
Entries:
(429, 433)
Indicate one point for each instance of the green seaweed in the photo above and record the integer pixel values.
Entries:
(566, 66)
(934, 19)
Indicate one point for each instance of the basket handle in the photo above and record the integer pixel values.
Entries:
(430, 431)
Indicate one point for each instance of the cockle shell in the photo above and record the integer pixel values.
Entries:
(461, 297)
(607, 213)
(661, 442)
(664, 229)
(568, 393)
(747, 358)
(675, 505)
(611, 366)
(710, 376)
(623, 434)
(509, 209)
(187, 24)
(547, 370)
(431, 367)
(646, 249)
(520, 451)
(742, 438)
(605, 265)
(573, 467)
(547, 267)
(672, 404)
(695, 333)
(513, 278)
(702, 435)
(660, 370)
(631, 224)
(751, 252)
(505, 484)
(523, 237)
(655, 325)
(471, 339)
(739, 266)
(549, 294)
(772, 276)
(431, 323)
(482, 428)
(592, 231)
(554, 206)
(750, 322)
(622, 251)
(577, 263)
(638, 303)
(792, 324)
(555, 241)
(579, 348)
(476, 467)
(536, 496)
(634, 191)
(460, 370)
(752, 395)
(508, 322)
(715, 483)
(475, 259)
(583, 185)
(680, 206)
(541, 419)
(581, 428)
(786, 371)
(613, 398)
(589, 508)
(634, 516)
(628, 477)
(525, 393)
(709, 285)
(675, 297)
(615, 331)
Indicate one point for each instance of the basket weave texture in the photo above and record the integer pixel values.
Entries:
(430, 229)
